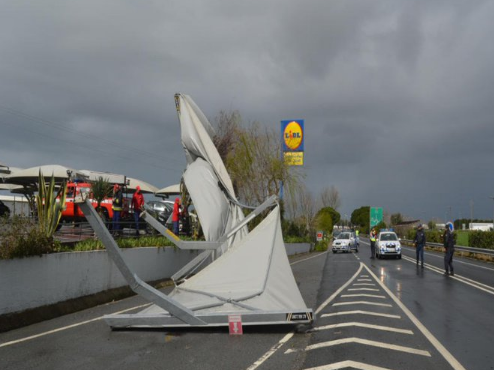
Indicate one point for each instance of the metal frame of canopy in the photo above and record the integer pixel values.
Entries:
(175, 314)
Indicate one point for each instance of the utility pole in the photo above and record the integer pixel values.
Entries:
(492, 213)
(471, 213)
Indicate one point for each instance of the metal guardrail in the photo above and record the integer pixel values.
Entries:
(486, 251)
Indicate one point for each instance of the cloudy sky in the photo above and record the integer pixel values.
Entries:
(397, 96)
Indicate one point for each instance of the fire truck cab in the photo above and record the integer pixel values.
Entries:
(73, 213)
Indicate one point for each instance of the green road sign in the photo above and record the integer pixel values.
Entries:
(376, 216)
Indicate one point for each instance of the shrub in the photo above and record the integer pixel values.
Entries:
(21, 237)
(481, 239)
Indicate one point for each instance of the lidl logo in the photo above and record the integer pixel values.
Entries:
(293, 135)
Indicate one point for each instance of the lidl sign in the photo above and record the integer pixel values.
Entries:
(292, 134)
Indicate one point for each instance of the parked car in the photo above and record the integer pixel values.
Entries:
(162, 209)
(4, 210)
(344, 242)
(388, 244)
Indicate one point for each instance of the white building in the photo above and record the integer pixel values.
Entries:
(480, 226)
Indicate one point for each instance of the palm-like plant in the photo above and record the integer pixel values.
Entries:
(101, 189)
(50, 204)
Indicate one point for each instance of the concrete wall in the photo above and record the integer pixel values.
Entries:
(38, 281)
(297, 248)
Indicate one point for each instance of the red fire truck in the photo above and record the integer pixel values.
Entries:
(73, 213)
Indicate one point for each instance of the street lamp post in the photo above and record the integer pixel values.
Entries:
(492, 214)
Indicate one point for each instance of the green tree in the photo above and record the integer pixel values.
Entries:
(360, 217)
(101, 189)
(381, 225)
(324, 221)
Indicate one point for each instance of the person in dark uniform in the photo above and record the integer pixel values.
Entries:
(449, 245)
(372, 238)
(117, 208)
(420, 241)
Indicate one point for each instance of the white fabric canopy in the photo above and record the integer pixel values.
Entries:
(254, 274)
(197, 141)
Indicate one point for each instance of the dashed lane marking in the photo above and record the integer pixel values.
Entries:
(360, 312)
(364, 325)
(366, 342)
(362, 302)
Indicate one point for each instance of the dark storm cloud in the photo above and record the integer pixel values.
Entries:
(396, 95)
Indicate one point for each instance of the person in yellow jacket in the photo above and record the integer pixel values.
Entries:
(373, 237)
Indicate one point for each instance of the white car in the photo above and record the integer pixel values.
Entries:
(388, 244)
(344, 242)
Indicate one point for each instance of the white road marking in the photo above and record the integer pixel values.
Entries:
(365, 289)
(269, 353)
(348, 364)
(364, 280)
(309, 258)
(360, 312)
(486, 288)
(366, 342)
(366, 276)
(364, 325)
(335, 294)
(66, 327)
(362, 302)
(363, 284)
(456, 260)
(442, 350)
(363, 295)
(287, 337)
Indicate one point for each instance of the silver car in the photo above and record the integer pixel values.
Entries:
(344, 242)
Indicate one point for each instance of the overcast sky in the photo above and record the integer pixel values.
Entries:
(397, 96)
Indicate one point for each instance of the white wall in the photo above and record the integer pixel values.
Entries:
(38, 281)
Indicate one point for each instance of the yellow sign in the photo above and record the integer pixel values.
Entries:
(293, 135)
(294, 158)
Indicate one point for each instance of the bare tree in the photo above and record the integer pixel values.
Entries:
(252, 156)
(307, 208)
(330, 197)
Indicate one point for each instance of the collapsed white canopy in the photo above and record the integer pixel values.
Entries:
(254, 275)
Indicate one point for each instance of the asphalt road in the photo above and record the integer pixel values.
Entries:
(371, 315)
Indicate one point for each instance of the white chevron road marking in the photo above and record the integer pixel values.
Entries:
(348, 364)
(363, 295)
(364, 325)
(363, 289)
(366, 342)
(359, 312)
(362, 302)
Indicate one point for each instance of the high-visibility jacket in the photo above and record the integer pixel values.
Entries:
(117, 201)
(373, 237)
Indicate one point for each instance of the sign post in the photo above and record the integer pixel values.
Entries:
(319, 236)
